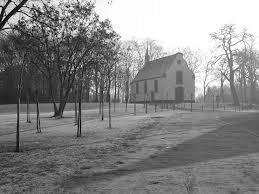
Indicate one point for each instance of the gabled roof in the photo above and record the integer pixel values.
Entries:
(155, 68)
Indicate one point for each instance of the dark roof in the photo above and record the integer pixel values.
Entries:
(155, 68)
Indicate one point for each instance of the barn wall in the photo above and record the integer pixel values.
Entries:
(167, 84)
(140, 97)
(188, 81)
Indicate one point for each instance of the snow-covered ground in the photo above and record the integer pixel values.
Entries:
(163, 152)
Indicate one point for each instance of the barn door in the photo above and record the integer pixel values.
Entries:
(179, 94)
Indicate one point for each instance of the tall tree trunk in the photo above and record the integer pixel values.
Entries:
(87, 91)
(204, 94)
(245, 89)
(96, 94)
(253, 92)
(126, 103)
(28, 107)
(222, 89)
(63, 100)
(19, 93)
(75, 103)
(118, 95)
(127, 94)
(79, 124)
(18, 125)
(52, 96)
(244, 83)
(38, 113)
(102, 98)
(107, 95)
(233, 89)
(102, 108)
(115, 88)
(96, 85)
(240, 92)
(109, 99)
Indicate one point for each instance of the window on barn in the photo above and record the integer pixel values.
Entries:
(179, 62)
(156, 85)
(137, 88)
(179, 77)
(145, 86)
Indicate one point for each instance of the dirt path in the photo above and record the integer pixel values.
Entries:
(171, 142)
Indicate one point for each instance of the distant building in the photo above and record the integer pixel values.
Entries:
(167, 79)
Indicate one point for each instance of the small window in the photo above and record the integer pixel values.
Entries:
(179, 62)
(145, 86)
(179, 77)
(137, 88)
(156, 85)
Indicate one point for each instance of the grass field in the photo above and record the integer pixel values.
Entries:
(90, 111)
(163, 152)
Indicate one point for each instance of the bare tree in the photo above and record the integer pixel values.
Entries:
(155, 50)
(15, 56)
(229, 42)
(193, 59)
(207, 78)
(127, 73)
(252, 69)
(8, 9)
(61, 50)
(249, 60)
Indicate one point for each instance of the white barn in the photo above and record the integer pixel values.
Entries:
(167, 79)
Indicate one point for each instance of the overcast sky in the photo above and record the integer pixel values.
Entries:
(179, 23)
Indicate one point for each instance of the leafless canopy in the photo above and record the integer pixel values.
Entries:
(8, 9)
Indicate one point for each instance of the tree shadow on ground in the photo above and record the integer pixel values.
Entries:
(241, 137)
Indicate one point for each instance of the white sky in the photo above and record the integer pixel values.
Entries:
(179, 23)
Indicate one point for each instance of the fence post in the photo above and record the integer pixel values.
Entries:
(144, 101)
(161, 105)
(75, 103)
(146, 105)
(38, 112)
(167, 100)
(191, 101)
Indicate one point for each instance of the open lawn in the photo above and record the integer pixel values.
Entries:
(90, 111)
(163, 152)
